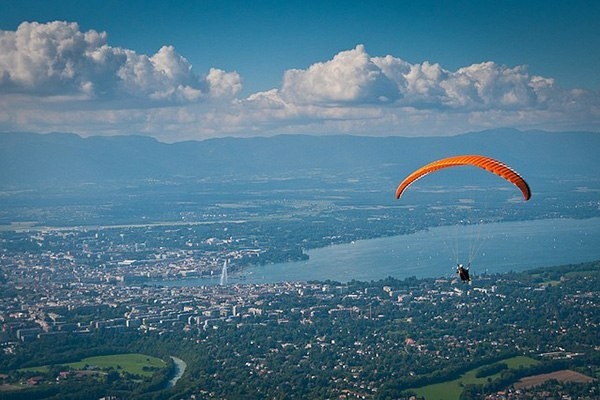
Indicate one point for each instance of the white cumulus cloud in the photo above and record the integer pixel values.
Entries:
(350, 77)
(54, 77)
(56, 58)
(223, 84)
(354, 92)
(353, 77)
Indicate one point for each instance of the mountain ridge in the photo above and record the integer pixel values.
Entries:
(38, 160)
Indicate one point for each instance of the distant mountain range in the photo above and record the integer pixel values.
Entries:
(41, 160)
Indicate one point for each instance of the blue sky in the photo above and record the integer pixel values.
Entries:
(180, 70)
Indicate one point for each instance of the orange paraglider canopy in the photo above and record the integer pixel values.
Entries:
(486, 163)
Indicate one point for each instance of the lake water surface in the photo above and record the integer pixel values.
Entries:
(496, 247)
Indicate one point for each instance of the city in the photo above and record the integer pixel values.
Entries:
(100, 288)
(121, 274)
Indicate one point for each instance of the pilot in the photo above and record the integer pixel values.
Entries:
(463, 273)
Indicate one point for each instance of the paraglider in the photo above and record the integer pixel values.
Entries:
(486, 163)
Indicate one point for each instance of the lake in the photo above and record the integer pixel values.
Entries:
(492, 248)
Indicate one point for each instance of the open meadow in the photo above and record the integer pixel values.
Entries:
(135, 364)
(451, 390)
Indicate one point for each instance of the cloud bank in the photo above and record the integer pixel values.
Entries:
(53, 77)
(56, 59)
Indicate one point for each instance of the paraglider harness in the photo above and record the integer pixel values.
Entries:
(463, 272)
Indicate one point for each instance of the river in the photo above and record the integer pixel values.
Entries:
(180, 367)
(501, 247)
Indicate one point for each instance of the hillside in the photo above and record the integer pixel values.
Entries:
(30, 160)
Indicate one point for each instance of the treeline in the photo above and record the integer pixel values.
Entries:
(510, 376)
(489, 370)
(390, 389)
(69, 347)
(56, 351)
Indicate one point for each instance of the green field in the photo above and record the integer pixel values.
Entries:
(135, 364)
(451, 390)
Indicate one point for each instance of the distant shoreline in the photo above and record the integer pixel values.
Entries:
(30, 226)
(532, 243)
